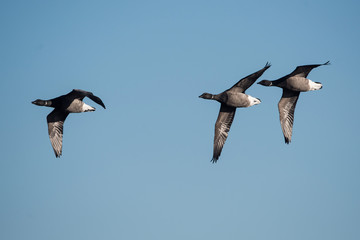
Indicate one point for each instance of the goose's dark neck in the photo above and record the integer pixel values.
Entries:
(48, 103)
(208, 96)
(217, 97)
(45, 103)
(277, 82)
(212, 97)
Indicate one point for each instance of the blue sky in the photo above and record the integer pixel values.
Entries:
(141, 168)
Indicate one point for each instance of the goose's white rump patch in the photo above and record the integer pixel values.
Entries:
(87, 108)
(314, 86)
(253, 101)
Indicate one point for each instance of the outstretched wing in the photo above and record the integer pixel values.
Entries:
(303, 71)
(247, 81)
(55, 122)
(222, 127)
(80, 94)
(286, 107)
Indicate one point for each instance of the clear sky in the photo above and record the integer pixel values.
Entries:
(141, 168)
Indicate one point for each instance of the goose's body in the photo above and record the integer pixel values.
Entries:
(235, 99)
(231, 99)
(296, 84)
(63, 106)
(292, 84)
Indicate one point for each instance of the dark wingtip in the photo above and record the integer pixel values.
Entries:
(101, 104)
(327, 63)
(214, 160)
(267, 65)
(287, 141)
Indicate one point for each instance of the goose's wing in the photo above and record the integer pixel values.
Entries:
(55, 122)
(222, 127)
(286, 107)
(80, 94)
(247, 81)
(303, 71)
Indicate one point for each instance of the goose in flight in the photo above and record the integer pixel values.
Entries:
(63, 105)
(292, 84)
(231, 99)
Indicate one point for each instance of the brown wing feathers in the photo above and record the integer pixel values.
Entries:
(222, 127)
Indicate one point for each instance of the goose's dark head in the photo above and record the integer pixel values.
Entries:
(39, 102)
(265, 83)
(206, 96)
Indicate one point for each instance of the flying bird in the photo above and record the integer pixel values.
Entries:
(292, 84)
(63, 105)
(231, 99)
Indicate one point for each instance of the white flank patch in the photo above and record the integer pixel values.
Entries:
(314, 85)
(253, 101)
(87, 108)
